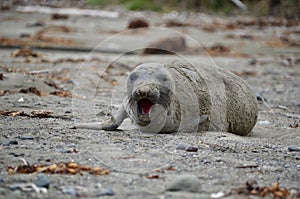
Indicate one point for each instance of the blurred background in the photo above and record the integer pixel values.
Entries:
(278, 8)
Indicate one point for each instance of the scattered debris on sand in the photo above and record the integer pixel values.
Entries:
(59, 168)
(252, 188)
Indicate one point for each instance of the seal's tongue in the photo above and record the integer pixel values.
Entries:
(145, 105)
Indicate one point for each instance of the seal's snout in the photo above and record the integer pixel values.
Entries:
(149, 91)
(142, 91)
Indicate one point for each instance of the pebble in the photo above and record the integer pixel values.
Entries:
(186, 183)
(27, 187)
(14, 187)
(21, 99)
(13, 142)
(67, 151)
(42, 181)
(106, 192)
(187, 148)
(191, 149)
(181, 146)
(71, 145)
(286, 166)
(26, 137)
(293, 148)
(217, 195)
(70, 191)
(16, 154)
(264, 122)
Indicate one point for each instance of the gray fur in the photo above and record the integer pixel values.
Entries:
(187, 99)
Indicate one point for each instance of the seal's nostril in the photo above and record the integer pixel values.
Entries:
(143, 92)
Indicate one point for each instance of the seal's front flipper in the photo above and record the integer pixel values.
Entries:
(115, 121)
(110, 125)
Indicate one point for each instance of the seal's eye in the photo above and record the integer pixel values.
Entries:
(162, 78)
(133, 76)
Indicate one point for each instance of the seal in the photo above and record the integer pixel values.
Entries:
(181, 97)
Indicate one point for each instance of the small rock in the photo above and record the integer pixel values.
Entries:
(72, 145)
(168, 45)
(42, 181)
(13, 142)
(187, 148)
(191, 149)
(138, 23)
(6, 144)
(1, 180)
(21, 99)
(67, 151)
(57, 16)
(220, 194)
(106, 192)
(181, 147)
(16, 154)
(27, 187)
(14, 187)
(26, 137)
(70, 191)
(24, 35)
(35, 24)
(187, 183)
(264, 122)
(293, 148)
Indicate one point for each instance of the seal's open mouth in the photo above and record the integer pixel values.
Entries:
(145, 105)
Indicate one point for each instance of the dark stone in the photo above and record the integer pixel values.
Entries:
(191, 149)
(138, 23)
(13, 142)
(169, 45)
(67, 151)
(57, 16)
(42, 181)
(26, 137)
(187, 148)
(294, 148)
